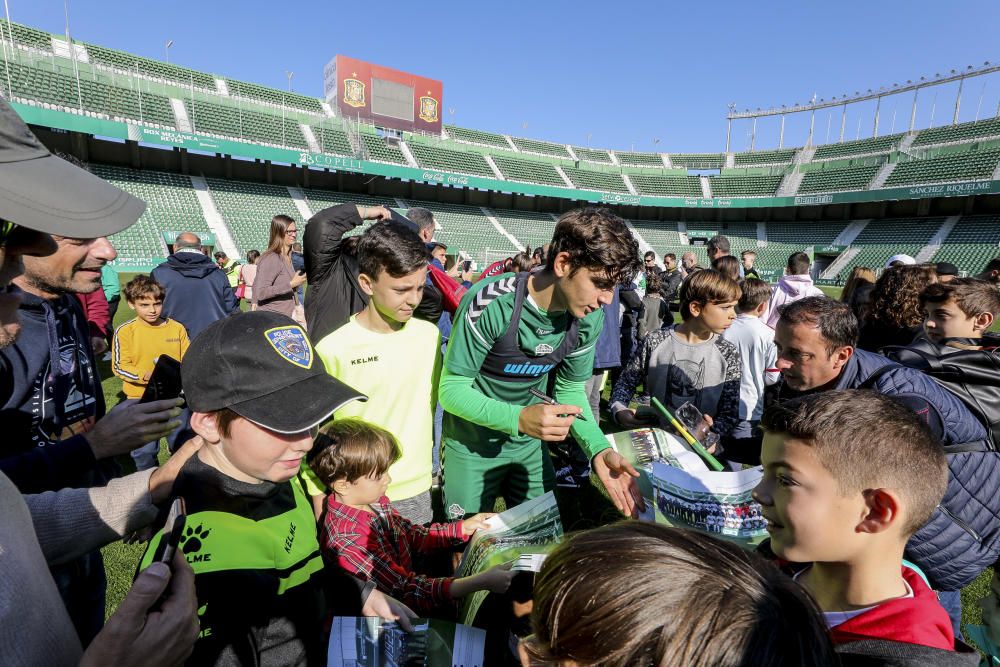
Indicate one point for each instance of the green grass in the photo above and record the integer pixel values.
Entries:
(584, 508)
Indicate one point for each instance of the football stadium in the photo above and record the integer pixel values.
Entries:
(215, 156)
(219, 157)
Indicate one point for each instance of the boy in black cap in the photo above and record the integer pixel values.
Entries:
(256, 391)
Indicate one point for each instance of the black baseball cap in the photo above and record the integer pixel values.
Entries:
(262, 366)
(46, 193)
(945, 269)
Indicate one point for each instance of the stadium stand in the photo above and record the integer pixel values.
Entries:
(594, 155)
(27, 35)
(245, 124)
(94, 96)
(467, 229)
(973, 241)
(859, 147)
(529, 171)
(781, 156)
(832, 180)
(698, 160)
(875, 256)
(380, 150)
(640, 159)
(317, 200)
(951, 167)
(277, 97)
(333, 140)
(961, 132)
(248, 208)
(601, 181)
(148, 67)
(661, 234)
(171, 206)
(477, 137)
(802, 234)
(541, 147)
(464, 162)
(744, 186)
(914, 230)
(666, 186)
(531, 229)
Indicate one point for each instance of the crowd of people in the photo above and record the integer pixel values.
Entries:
(367, 374)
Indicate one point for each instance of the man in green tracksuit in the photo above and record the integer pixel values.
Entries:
(512, 333)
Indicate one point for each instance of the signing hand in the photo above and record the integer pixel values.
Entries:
(618, 477)
(131, 424)
(547, 422)
(629, 419)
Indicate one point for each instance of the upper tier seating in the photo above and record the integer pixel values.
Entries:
(244, 124)
(27, 35)
(953, 167)
(744, 186)
(478, 137)
(466, 228)
(667, 186)
(858, 147)
(832, 180)
(592, 155)
(379, 149)
(698, 160)
(530, 171)
(149, 67)
(542, 147)
(463, 162)
(639, 159)
(913, 230)
(780, 156)
(989, 127)
(96, 96)
(333, 140)
(802, 234)
(279, 97)
(601, 181)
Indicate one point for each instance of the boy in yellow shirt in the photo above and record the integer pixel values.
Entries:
(139, 342)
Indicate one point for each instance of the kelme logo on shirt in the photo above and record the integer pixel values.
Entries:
(527, 369)
(542, 348)
(291, 343)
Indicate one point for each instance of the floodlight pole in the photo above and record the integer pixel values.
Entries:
(812, 126)
(729, 128)
(6, 60)
(958, 101)
(913, 111)
(753, 134)
(166, 49)
(878, 106)
(72, 55)
(781, 133)
(843, 123)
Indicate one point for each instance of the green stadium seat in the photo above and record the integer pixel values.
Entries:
(639, 159)
(333, 141)
(833, 180)
(246, 124)
(780, 156)
(248, 208)
(281, 98)
(150, 68)
(981, 129)
(477, 137)
(541, 147)
(803, 234)
(22, 34)
(593, 155)
(380, 150)
(666, 186)
(698, 160)
(973, 165)
(529, 171)
(744, 186)
(601, 181)
(858, 147)
(463, 162)
(531, 229)
(467, 229)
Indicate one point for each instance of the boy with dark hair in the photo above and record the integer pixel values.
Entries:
(367, 537)
(755, 341)
(654, 308)
(794, 285)
(841, 524)
(138, 343)
(748, 258)
(690, 362)
(964, 309)
(511, 334)
(393, 358)
(256, 391)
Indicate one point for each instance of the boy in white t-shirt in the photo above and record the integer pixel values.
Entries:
(758, 357)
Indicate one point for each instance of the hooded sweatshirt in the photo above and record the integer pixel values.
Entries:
(50, 394)
(789, 289)
(198, 292)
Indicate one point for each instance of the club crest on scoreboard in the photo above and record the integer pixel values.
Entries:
(428, 109)
(354, 92)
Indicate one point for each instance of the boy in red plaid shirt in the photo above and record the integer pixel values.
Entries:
(368, 538)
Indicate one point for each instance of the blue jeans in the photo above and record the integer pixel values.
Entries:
(145, 456)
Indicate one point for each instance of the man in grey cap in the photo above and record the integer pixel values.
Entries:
(41, 195)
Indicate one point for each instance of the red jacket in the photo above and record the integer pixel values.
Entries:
(917, 620)
(95, 307)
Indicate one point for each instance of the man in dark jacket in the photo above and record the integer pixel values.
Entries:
(816, 339)
(332, 268)
(198, 292)
(671, 277)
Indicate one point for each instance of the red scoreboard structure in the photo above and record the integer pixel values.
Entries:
(384, 96)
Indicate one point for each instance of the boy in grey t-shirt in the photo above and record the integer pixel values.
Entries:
(689, 362)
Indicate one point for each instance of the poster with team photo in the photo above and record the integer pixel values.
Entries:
(373, 642)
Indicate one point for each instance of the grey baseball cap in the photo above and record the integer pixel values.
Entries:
(43, 192)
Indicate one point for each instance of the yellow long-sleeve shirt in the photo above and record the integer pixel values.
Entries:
(136, 346)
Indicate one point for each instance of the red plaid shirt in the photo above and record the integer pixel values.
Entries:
(380, 545)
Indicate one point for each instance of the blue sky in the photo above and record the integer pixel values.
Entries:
(624, 73)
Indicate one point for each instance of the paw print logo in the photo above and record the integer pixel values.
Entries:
(192, 538)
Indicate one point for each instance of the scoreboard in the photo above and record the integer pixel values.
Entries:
(384, 96)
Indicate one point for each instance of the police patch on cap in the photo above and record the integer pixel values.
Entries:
(291, 343)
